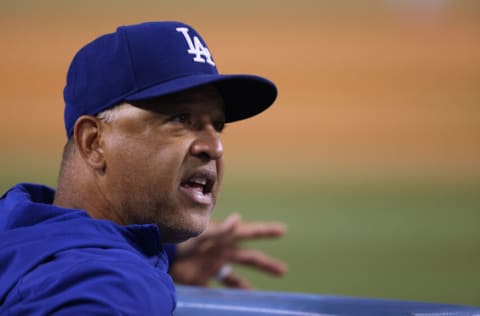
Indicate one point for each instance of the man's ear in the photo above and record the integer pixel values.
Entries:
(87, 133)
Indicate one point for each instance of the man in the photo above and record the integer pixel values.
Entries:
(141, 170)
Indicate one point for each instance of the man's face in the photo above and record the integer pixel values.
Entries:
(164, 161)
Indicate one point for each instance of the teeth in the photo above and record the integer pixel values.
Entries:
(199, 181)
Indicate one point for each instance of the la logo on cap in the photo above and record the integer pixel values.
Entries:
(196, 48)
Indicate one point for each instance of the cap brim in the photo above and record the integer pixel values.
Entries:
(244, 95)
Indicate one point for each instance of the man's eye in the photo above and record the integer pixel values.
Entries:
(181, 118)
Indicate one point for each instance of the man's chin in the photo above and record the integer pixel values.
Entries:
(178, 235)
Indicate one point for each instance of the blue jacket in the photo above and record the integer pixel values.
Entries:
(62, 262)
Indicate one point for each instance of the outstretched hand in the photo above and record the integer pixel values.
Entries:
(200, 259)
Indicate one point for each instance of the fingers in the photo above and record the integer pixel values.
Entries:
(217, 237)
(234, 280)
(232, 230)
(218, 230)
(259, 260)
(242, 230)
(257, 230)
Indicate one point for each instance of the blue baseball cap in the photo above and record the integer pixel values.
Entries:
(153, 59)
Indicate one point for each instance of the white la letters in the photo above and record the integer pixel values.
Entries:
(196, 48)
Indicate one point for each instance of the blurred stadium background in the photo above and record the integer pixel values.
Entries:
(371, 154)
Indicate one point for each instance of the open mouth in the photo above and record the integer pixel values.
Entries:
(198, 186)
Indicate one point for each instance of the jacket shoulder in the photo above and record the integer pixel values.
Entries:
(95, 281)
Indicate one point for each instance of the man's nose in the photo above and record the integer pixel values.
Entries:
(208, 144)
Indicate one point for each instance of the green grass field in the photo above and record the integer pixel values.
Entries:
(404, 240)
(414, 241)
